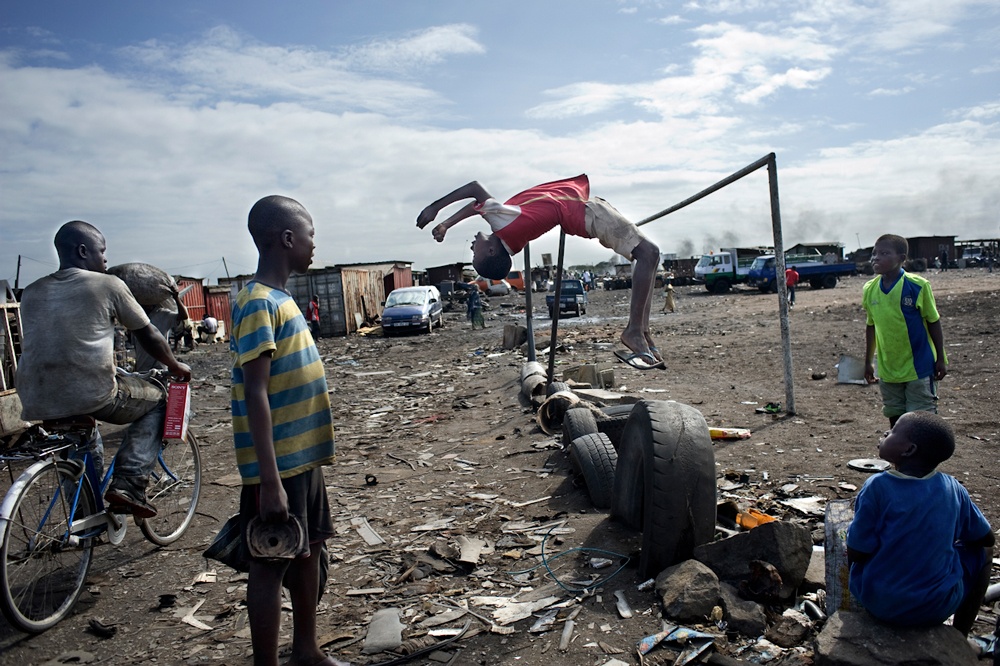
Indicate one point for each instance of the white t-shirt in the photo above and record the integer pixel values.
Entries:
(67, 365)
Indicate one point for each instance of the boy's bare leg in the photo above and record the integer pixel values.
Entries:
(264, 610)
(303, 584)
(636, 334)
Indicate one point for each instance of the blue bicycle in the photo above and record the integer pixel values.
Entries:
(54, 514)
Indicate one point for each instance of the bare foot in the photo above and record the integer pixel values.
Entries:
(635, 341)
(652, 347)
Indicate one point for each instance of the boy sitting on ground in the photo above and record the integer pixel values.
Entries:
(919, 548)
(566, 204)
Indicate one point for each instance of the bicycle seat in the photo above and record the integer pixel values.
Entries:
(69, 423)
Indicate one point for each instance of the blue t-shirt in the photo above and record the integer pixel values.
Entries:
(913, 528)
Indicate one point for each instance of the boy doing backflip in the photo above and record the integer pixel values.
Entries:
(282, 427)
(919, 548)
(904, 329)
(566, 204)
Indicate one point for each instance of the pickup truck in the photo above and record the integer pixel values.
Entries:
(816, 273)
(572, 298)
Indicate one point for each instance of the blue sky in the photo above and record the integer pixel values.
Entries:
(161, 123)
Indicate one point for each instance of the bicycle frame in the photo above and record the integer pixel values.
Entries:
(97, 521)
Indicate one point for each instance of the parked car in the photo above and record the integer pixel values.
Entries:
(572, 298)
(412, 309)
(493, 287)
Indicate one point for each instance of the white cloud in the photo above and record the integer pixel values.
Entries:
(225, 65)
(891, 92)
(421, 49)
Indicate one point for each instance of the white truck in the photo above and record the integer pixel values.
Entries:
(730, 266)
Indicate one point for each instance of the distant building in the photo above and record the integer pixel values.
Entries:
(824, 248)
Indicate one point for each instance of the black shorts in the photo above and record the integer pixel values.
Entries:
(306, 501)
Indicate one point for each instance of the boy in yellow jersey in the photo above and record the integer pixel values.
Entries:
(283, 429)
(904, 329)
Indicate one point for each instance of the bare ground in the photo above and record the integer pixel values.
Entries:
(435, 442)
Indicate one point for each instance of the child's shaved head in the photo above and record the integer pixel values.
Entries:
(272, 215)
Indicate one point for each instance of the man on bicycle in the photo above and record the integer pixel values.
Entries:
(67, 366)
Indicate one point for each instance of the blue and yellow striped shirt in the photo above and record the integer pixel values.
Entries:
(268, 320)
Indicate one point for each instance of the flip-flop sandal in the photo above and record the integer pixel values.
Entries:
(656, 354)
(638, 360)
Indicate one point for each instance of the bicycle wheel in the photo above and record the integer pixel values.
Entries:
(42, 566)
(174, 488)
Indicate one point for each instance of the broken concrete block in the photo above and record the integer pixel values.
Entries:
(858, 639)
(815, 578)
(785, 545)
(385, 632)
(790, 630)
(689, 591)
(745, 617)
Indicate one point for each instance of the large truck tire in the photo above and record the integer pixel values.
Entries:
(665, 482)
(829, 281)
(595, 459)
(578, 422)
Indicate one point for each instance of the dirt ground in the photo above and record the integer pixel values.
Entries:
(435, 442)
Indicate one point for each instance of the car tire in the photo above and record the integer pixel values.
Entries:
(555, 387)
(613, 422)
(595, 460)
(578, 422)
(665, 482)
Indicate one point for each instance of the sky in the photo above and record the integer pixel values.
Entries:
(161, 123)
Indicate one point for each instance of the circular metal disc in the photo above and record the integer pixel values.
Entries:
(868, 464)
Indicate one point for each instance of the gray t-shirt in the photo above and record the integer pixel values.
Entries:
(67, 365)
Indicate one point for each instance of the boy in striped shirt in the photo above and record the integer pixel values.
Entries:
(282, 427)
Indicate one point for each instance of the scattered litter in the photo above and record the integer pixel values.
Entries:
(367, 533)
(851, 370)
(622, 605)
(769, 408)
(567, 635)
(868, 465)
(751, 518)
(514, 611)
(206, 577)
(646, 585)
(189, 617)
(811, 506)
(696, 642)
(729, 433)
(544, 623)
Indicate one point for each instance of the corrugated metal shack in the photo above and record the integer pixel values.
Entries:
(349, 294)
(931, 247)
